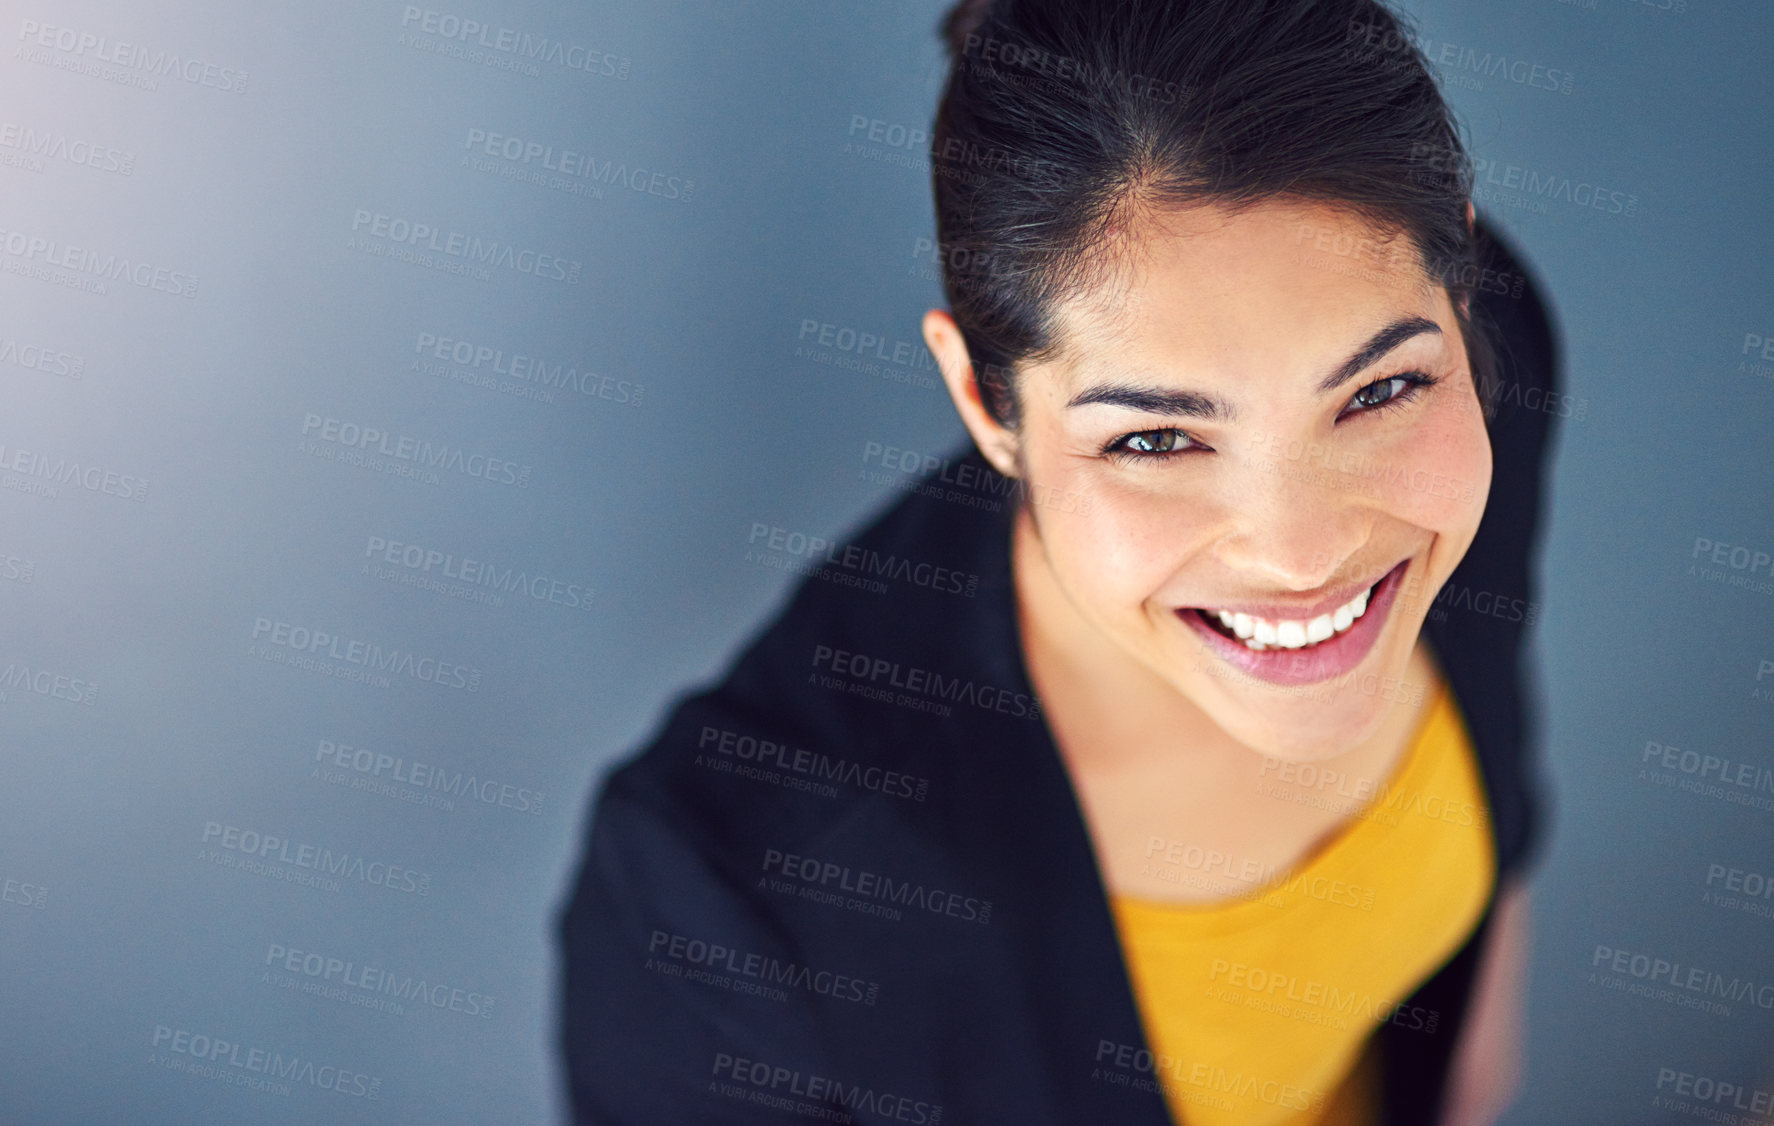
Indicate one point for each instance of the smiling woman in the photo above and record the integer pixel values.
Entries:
(1197, 802)
(1228, 351)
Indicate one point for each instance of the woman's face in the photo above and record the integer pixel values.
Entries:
(1269, 418)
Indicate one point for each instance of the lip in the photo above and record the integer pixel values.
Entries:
(1329, 658)
(1283, 611)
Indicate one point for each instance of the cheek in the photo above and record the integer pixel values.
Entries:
(1438, 475)
(1122, 546)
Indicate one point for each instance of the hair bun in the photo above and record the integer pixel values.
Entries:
(963, 20)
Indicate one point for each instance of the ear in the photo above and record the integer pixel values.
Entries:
(1471, 216)
(995, 440)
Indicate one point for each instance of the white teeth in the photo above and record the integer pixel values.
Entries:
(1261, 633)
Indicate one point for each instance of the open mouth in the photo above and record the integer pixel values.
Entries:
(1293, 651)
(1289, 633)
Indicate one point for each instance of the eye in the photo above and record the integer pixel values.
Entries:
(1147, 445)
(1391, 392)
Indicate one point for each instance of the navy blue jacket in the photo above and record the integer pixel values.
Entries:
(852, 877)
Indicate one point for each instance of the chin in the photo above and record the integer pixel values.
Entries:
(1305, 729)
(1318, 699)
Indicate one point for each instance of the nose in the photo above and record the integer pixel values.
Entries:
(1294, 528)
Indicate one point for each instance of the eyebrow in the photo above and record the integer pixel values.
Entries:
(1195, 404)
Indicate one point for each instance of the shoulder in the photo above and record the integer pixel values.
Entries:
(649, 1012)
(825, 695)
(1481, 617)
(678, 968)
(687, 939)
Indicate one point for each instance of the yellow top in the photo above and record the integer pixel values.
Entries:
(1260, 1007)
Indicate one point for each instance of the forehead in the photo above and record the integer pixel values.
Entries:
(1269, 291)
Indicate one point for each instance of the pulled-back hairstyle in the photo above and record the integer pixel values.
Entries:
(1061, 118)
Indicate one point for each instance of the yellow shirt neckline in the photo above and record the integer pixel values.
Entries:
(1265, 1007)
(1352, 838)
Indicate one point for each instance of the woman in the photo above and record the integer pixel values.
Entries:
(1197, 791)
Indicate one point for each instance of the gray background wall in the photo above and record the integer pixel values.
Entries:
(160, 718)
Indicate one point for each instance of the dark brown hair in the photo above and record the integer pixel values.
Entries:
(1060, 115)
